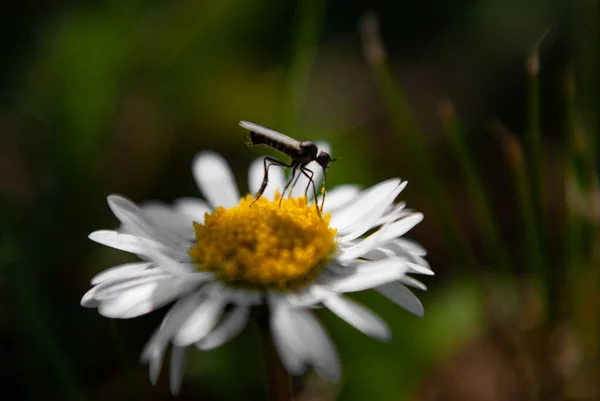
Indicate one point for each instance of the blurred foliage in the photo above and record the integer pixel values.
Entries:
(489, 109)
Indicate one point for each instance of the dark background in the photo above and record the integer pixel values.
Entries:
(117, 97)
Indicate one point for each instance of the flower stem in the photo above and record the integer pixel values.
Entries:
(279, 382)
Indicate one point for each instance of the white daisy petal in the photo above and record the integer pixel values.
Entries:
(167, 218)
(364, 246)
(215, 180)
(358, 316)
(402, 226)
(88, 300)
(339, 196)
(132, 218)
(194, 208)
(175, 263)
(126, 242)
(120, 271)
(155, 359)
(415, 268)
(419, 260)
(411, 246)
(284, 333)
(414, 283)
(318, 348)
(363, 204)
(178, 355)
(256, 174)
(369, 275)
(173, 320)
(403, 297)
(144, 298)
(368, 221)
(300, 340)
(201, 321)
(230, 327)
(395, 212)
(134, 302)
(117, 287)
(390, 250)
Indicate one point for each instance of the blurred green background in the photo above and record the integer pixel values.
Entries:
(488, 108)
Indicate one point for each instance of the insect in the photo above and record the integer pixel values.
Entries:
(302, 153)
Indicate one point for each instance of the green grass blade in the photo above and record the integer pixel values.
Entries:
(475, 187)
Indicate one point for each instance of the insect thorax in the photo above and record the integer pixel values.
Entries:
(308, 151)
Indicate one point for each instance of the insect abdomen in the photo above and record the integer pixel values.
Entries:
(258, 139)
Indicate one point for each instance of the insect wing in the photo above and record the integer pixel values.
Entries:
(272, 135)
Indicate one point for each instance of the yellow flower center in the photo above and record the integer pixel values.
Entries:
(264, 246)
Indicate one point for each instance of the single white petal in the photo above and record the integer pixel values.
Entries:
(155, 359)
(402, 297)
(215, 179)
(411, 246)
(256, 174)
(201, 321)
(194, 208)
(126, 242)
(169, 219)
(178, 355)
(339, 196)
(416, 268)
(363, 204)
(284, 333)
(230, 327)
(359, 317)
(132, 303)
(369, 275)
(120, 271)
(368, 221)
(88, 300)
(412, 282)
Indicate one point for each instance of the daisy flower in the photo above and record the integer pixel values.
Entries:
(216, 259)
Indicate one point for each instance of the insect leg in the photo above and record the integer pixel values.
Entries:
(305, 171)
(294, 184)
(294, 168)
(263, 186)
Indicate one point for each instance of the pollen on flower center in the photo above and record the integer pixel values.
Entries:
(264, 246)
